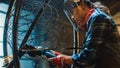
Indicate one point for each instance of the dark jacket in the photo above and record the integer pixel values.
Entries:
(101, 48)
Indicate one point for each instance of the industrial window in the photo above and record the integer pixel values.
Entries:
(3, 11)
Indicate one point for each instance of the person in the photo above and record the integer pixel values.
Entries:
(102, 41)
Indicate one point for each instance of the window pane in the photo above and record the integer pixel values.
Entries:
(3, 7)
(2, 19)
(1, 34)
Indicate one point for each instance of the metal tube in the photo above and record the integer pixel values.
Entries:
(74, 34)
(14, 34)
(6, 28)
(32, 26)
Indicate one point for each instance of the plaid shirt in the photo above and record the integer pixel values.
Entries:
(102, 44)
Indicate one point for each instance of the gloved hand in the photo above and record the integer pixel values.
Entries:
(58, 60)
(61, 60)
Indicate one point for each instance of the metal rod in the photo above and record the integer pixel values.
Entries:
(14, 34)
(6, 28)
(74, 34)
(32, 26)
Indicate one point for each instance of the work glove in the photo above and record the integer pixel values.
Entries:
(58, 60)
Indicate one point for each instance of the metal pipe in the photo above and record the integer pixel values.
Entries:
(74, 34)
(6, 28)
(32, 26)
(15, 34)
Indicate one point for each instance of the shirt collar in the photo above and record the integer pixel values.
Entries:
(89, 14)
(87, 17)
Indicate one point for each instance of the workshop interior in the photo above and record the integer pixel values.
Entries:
(41, 24)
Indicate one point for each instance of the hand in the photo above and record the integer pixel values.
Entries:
(58, 60)
(61, 60)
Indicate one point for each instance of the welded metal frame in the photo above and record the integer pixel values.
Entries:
(17, 4)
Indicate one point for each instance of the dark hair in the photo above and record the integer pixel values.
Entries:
(75, 4)
(87, 2)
